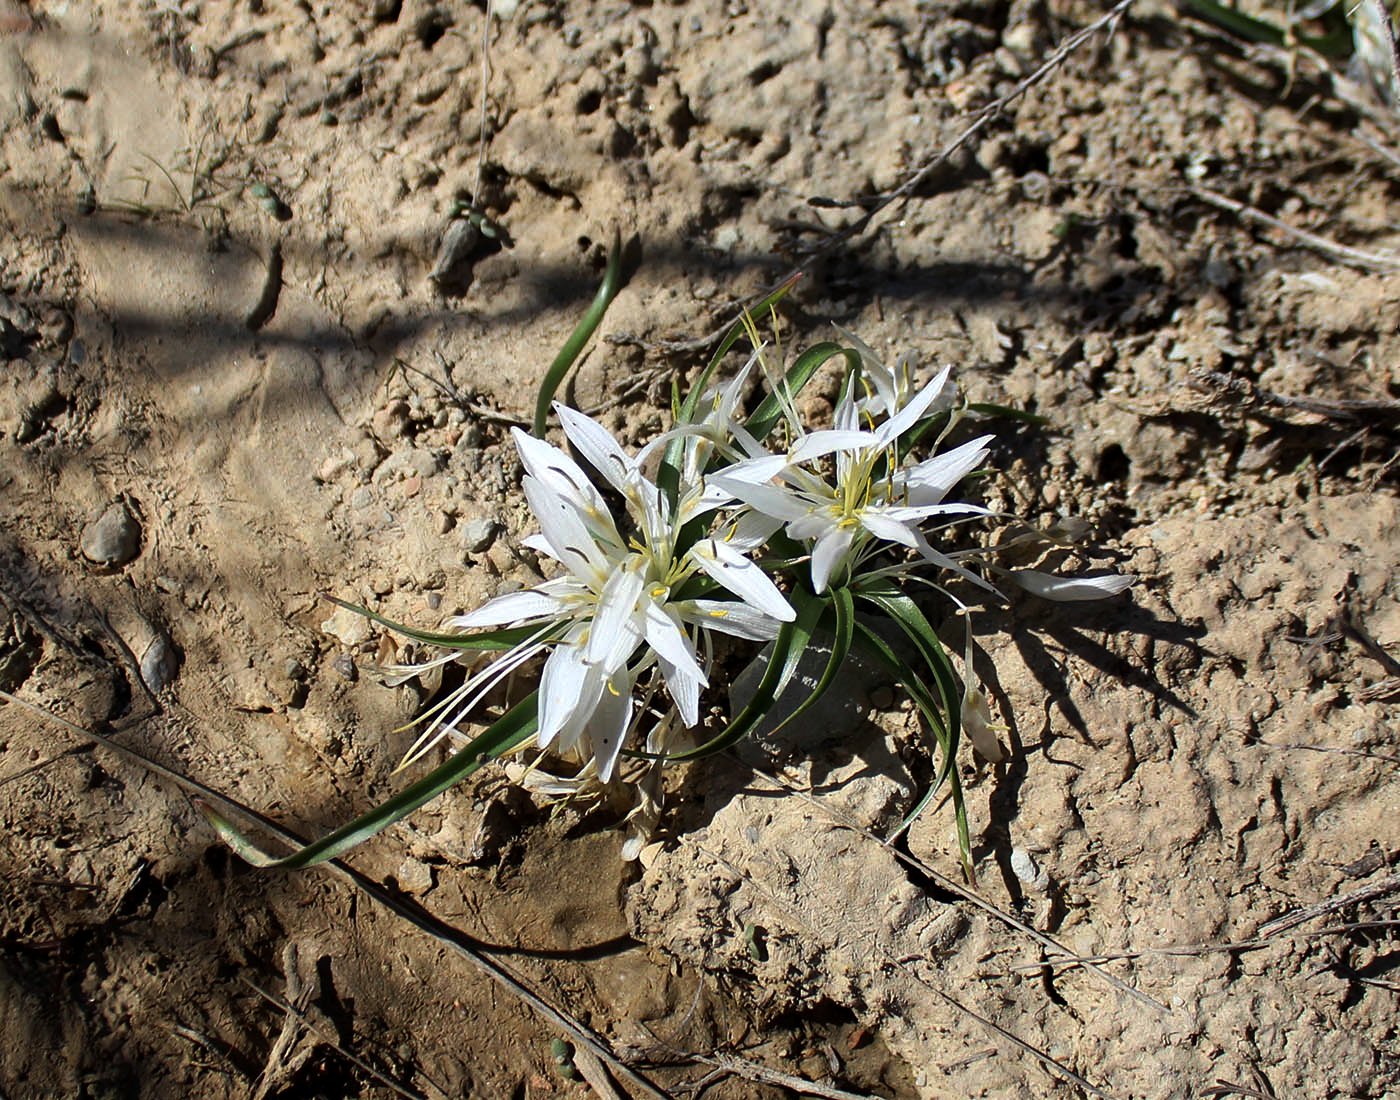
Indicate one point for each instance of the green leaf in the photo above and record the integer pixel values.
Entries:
(506, 733)
(506, 637)
(573, 347)
(943, 714)
(788, 648)
(845, 610)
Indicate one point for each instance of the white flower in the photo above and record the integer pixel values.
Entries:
(616, 594)
(871, 500)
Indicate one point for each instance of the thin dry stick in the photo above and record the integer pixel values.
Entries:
(1047, 1060)
(729, 1064)
(1331, 905)
(1385, 263)
(1193, 949)
(1388, 32)
(485, 84)
(294, 1012)
(876, 205)
(958, 888)
(442, 933)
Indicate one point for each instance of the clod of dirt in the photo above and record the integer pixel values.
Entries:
(160, 663)
(350, 628)
(114, 538)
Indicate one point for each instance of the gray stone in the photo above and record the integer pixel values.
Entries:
(114, 538)
(478, 534)
(160, 663)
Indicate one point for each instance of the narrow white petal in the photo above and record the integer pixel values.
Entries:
(746, 580)
(564, 528)
(828, 553)
(813, 525)
(752, 531)
(684, 689)
(730, 617)
(884, 526)
(664, 634)
(927, 511)
(615, 630)
(931, 480)
(828, 441)
(752, 471)
(908, 416)
(561, 689)
(771, 500)
(513, 607)
(548, 464)
(619, 469)
(609, 723)
(1050, 587)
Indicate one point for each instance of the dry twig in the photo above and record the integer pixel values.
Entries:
(1383, 262)
(1331, 905)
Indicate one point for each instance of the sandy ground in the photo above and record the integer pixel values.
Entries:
(230, 384)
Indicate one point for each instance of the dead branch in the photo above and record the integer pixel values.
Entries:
(1331, 905)
(1385, 263)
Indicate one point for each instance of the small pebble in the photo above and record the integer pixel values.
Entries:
(415, 876)
(478, 534)
(114, 538)
(345, 665)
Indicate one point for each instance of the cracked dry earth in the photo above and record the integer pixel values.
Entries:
(239, 371)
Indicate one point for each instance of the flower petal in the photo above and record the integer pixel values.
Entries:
(562, 685)
(885, 526)
(931, 480)
(548, 464)
(513, 607)
(828, 441)
(616, 629)
(665, 636)
(908, 416)
(828, 553)
(684, 689)
(746, 580)
(618, 468)
(771, 500)
(729, 617)
(1068, 589)
(609, 723)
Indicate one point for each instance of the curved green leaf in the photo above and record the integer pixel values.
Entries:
(845, 611)
(506, 733)
(573, 347)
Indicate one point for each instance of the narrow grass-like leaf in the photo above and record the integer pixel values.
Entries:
(506, 637)
(873, 645)
(506, 733)
(845, 613)
(788, 648)
(946, 720)
(573, 347)
(1337, 43)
